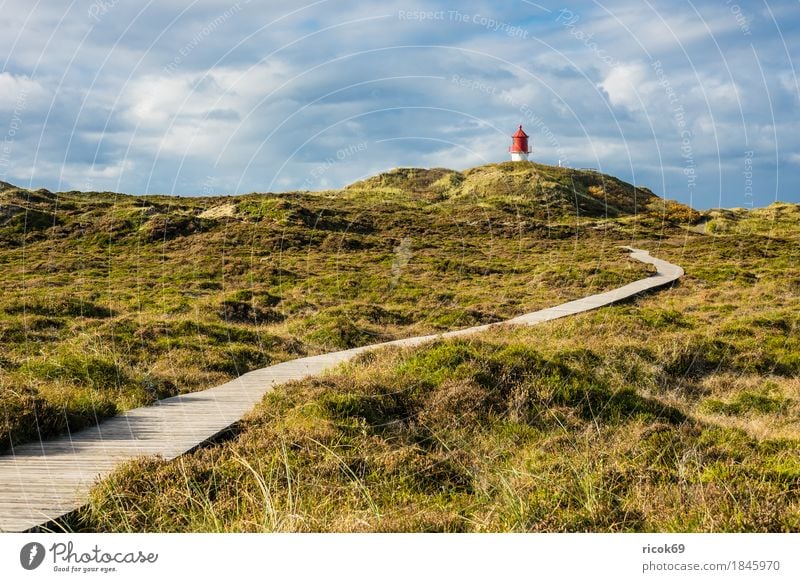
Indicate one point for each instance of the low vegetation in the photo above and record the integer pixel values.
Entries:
(678, 411)
(113, 301)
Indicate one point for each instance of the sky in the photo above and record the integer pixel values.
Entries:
(697, 100)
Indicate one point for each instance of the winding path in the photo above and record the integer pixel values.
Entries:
(40, 482)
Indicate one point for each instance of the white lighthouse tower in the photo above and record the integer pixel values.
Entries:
(519, 146)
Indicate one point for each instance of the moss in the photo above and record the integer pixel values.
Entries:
(97, 372)
(699, 356)
(664, 318)
(747, 402)
(58, 306)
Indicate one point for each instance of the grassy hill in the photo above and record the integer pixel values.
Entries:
(540, 191)
(676, 411)
(113, 301)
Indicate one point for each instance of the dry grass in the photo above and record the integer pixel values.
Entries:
(114, 301)
(676, 412)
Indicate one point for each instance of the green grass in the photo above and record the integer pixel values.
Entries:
(675, 411)
(113, 301)
(481, 435)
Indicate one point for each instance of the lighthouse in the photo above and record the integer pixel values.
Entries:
(519, 146)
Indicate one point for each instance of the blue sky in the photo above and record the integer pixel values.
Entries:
(698, 101)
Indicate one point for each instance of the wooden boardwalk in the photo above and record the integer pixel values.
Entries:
(40, 482)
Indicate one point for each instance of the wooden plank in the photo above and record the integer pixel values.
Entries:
(40, 482)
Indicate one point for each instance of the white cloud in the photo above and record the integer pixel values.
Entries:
(193, 114)
(717, 91)
(623, 85)
(18, 92)
(118, 116)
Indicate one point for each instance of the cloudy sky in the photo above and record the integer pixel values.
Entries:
(698, 100)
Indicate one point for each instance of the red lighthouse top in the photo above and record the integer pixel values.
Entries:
(520, 143)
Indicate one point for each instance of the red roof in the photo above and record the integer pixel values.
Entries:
(520, 133)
